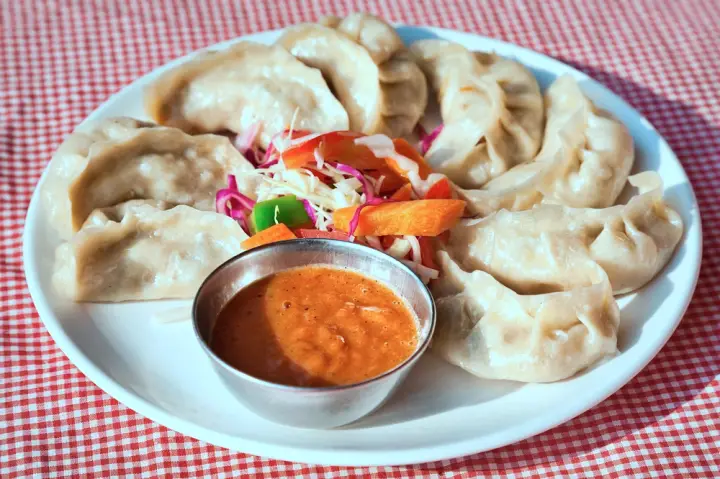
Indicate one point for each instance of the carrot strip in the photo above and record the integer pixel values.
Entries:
(440, 190)
(278, 232)
(407, 150)
(417, 218)
(312, 233)
(334, 147)
(403, 194)
(340, 147)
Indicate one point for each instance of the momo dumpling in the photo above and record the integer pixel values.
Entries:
(491, 108)
(142, 250)
(584, 162)
(71, 158)
(598, 150)
(154, 163)
(492, 332)
(378, 37)
(234, 89)
(369, 69)
(554, 248)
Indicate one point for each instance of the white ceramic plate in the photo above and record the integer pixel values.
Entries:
(158, 369)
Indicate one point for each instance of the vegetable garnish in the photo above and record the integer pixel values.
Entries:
(440, 190)
(426, 274)
(232, 183)
(281, 141)
(374, 242)
(268, 164)
(342, 184)
(399, 248)
(427, 139)
(319, 160)
(229, 201)
(287, 210)
(278, 232)
(403, 194)
(246, 140)
(427, 252)
(367, 188)
(308, 233)
(310, 211)
(413, 168)
(336, 146)
(414, 247)
(406, 151)
(416, 218)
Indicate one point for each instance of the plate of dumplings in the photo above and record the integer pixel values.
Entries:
(574, 262)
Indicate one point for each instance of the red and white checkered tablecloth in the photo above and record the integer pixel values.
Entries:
(60, 59)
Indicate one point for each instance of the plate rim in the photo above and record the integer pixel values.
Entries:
(336, 456)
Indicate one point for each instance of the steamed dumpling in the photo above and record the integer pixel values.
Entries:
(490, 331)
(142, 250)
(154, 163)
(378, 37)
(70, 160)
(247, 83)
(492, 112)
(555, 248)
(585, 160)
(599, 150)
(369, 69)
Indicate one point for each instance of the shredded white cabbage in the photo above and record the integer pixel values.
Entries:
(319, 160)
(399, 249)
(376, 183)
(277, 180)
(415, 248)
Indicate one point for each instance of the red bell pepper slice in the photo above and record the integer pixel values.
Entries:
(440, 190)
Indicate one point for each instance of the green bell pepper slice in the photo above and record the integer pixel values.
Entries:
(286, 209)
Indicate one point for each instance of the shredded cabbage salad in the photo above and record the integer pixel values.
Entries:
(326, 185)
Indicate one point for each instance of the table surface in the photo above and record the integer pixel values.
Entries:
(60, 59)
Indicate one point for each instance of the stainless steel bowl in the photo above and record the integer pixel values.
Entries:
(310, 407)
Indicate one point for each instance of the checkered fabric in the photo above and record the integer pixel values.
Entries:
(60, 59)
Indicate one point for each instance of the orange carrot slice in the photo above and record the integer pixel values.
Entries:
(417, 218)
(340, 147)
(403, 194)
(317, 234)
(440, 190)
(279, 232)
(334, 147)
(406, 149)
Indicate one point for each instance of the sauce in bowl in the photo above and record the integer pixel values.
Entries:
(315, 326)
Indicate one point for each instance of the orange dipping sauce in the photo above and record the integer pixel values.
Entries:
(315, 326)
